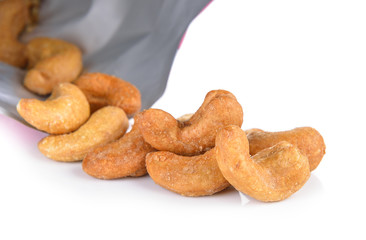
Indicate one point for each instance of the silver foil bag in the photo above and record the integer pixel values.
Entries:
(135, 40)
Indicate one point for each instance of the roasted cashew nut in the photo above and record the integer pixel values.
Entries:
(189, 176)
(64, 111)
(122, 158)
(102, 90)
(273, 174)
(197, 135)
(306, 139)
(14, 16)
(51, 61)
(104, 126)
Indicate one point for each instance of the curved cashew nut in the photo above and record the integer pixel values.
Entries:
(271, 175)
(51, 61)
(197, 135)
(64, 111)
(306, 139)
(189, 176)
(104, 126)
(122, 158)
(102, 90)
(14, 16)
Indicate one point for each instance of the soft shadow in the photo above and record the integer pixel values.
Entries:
(78, 171)
(228, 196)
(24, 133)
(312, 188)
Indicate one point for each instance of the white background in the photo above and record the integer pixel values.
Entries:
(290, 64)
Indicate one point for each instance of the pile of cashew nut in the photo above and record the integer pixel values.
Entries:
(198, 154)
(48, 61)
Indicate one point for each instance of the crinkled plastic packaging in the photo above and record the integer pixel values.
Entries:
(135, 40)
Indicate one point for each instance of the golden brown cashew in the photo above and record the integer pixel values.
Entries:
(104, 126)
(189, 176)
(102, 90)
(51, 61)
(307, 139)
(122, 158)
(273, 174)
(197, 135)
(14, 16)
(64, 111)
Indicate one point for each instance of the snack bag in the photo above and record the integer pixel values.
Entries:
(135, 40)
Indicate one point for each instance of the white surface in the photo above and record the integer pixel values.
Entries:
(290, 64)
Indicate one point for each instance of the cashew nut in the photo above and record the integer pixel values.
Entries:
(51, 61)
(104, 126)
(189, 176)
(306, 139)
(273, 174)
(197, 135)
(64, 111)
(122, 158)
(102, 90)
(13, 18)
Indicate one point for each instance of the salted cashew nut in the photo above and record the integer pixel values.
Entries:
(186, 175)
(64, 111)
(306, 139)
(103, 89)
(273, 174)
(51, 61)
(122, 158)
(104, 126)
(196, 135)
(14, 16)
(12, 52)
